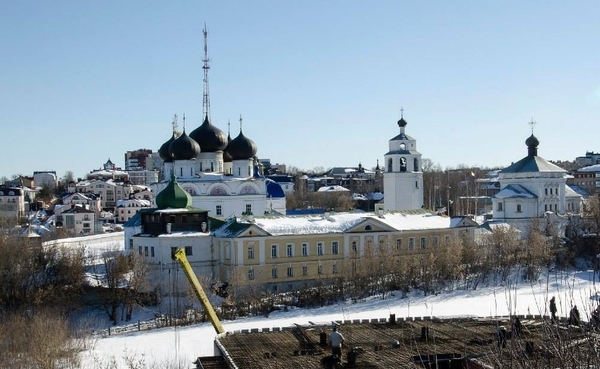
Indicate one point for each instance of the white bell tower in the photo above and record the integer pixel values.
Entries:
(402, 173)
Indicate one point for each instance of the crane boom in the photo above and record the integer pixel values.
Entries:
(179, 255)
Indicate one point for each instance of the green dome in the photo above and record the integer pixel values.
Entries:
(173, 196)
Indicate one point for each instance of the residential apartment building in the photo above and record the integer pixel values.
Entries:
(76, 220)
(109, 191)
(587, 178)
(12, 202)
(127, 208)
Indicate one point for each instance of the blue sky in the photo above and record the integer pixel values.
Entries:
(319, 83)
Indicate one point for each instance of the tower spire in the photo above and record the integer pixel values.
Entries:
(183, 122)
(206, 67)
(240, 122)
(174, 124)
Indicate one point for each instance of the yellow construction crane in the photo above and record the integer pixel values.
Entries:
(179, 255)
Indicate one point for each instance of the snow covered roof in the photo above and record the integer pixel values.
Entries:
(591, 168)
(332, 189)
(532, 164)
(339, 223)
(514, 191)
(569, 192)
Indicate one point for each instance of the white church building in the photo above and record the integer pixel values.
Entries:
(403, 175)
(533, 188)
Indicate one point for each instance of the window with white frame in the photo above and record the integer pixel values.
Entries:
(304, 270)
(335, 247)
(290, 271)
(289, 250)
(319, 248)
(398, 244)
(304, 249)
(499, 207)
(423, 242)
(274, 273)
(354, 246)
(411, 243)
(248, 208)
(274, 252)
(250, 252)
(334, 268)
(519, 210)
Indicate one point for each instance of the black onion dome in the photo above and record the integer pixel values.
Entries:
(209, 137)
(532, 144)
(241, 148)
(532, 141)
(164, 152)
(226, 157)
(184, 148)
(402, 122)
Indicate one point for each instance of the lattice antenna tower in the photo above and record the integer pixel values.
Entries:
(206, 67)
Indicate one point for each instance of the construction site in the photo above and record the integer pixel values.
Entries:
(500, 342)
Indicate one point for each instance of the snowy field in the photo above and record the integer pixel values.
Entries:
(182, 345)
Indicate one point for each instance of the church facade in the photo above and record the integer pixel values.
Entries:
(403, 174)
(533, 189)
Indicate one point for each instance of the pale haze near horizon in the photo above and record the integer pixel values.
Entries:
(319, 84)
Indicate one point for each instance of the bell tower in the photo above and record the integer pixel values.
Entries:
(402, 172)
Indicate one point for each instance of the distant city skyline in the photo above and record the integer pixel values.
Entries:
(319, 84)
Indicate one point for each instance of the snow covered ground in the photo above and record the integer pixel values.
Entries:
(183, 344)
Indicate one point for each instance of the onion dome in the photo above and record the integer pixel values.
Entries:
(184, 148)
(241, 148)
(164, 152)
(209, 137)
(532, 144)
(402, 123)
(226, 156)
(173, 196)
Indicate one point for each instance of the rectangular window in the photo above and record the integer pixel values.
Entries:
(131, 244)
(546, 191)
(411, 243)
(304, 270)
(545, 207)
(250, 252)
(274, 273)
(152, 251)
(188, 251)
(519, 208)
(251, 274)
(289, 250)
(335, 247)
(248, 208)
(447, 239)
(140, 250)
(499, 208)
(398, 244)
(319, 248)
(354, 247)
(304, 249)
(423, 242)
(434, 241)
(219, 210)
(290, 271)
(273, 251)
(334, 269)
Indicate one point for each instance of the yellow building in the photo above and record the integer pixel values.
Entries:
(284, 253)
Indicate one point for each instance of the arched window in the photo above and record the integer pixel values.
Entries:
(416, 165)
(389, 166)
(403, 164)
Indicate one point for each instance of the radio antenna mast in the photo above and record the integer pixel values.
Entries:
(206, 67)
